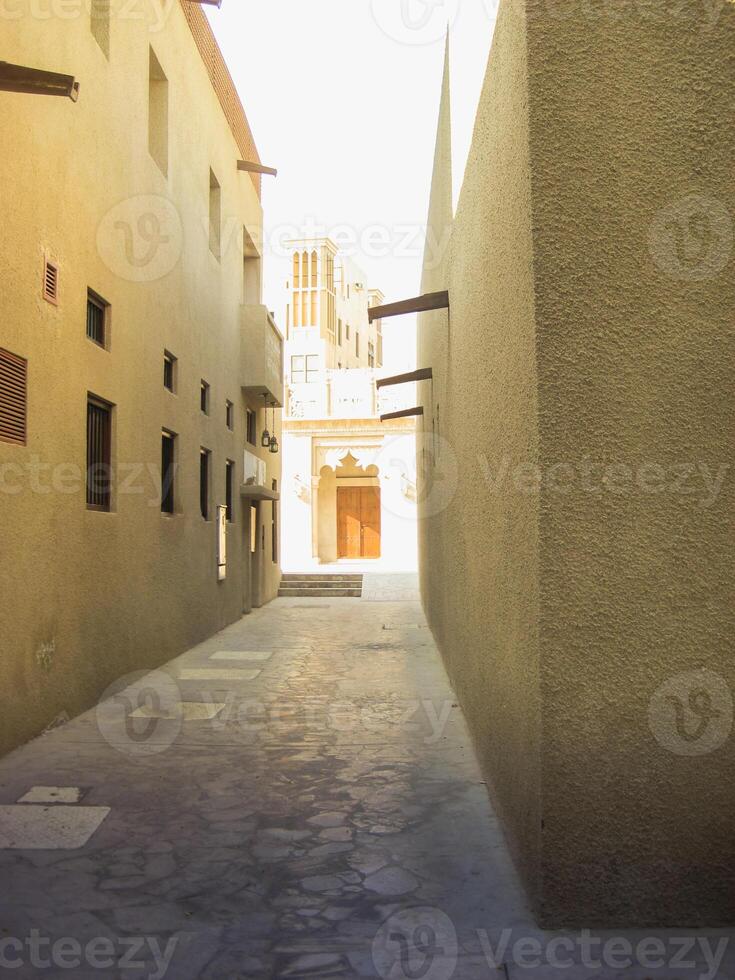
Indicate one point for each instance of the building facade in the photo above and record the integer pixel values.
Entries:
(580, 580)
(138, 366)
(348, 480)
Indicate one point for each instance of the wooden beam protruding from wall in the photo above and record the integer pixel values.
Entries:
(423, 374)
(419, 304)
(256, 168)
(405, 413)
(35, 81)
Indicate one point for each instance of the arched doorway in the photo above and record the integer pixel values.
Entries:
(350, 524)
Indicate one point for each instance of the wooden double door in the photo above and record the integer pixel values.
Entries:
(358, 522)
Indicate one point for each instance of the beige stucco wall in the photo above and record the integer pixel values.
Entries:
(479, 551)
(111, 593)
(583, 333)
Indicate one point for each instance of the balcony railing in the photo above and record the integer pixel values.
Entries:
(255, 479)
(344, 395)
(254, 470)
(262, 355)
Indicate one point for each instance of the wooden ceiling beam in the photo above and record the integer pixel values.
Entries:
(405, 413)
(419, 304)
(423, 374)
(35, 81)
(256, 168)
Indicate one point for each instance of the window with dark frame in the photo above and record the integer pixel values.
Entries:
(99, 454)
(97, 318)
(169, 371)
(204, 397)
(274, 526)
(230, 415)
(230, 490)
(204, 461)
(251, 422)
(168, 471)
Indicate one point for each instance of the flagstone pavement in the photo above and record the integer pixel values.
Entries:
(296, 797)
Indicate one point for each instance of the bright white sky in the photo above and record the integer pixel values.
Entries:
(342, 96)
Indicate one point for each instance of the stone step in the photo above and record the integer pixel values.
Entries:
(286, 592)
(320, 577)
(319, 584)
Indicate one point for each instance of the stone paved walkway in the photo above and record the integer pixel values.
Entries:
(296, 797)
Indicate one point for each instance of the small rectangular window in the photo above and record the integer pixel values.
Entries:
(168, 472)
(339, 332)
(97, 316)
(100, 24)
(357, 344)
(215, 215)
(347, 331)
(157, 113)
(230, 489)
(230, 415)
(204, 397)
(99, 455)
(169, 371)
(298, 370)
(251, 421)
(51, 282)
(253, 528)
(204, 467)
(13, 398)
(312, 367)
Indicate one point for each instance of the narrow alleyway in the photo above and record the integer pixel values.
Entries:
(296, 797)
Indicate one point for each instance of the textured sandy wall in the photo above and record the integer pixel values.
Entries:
(86, 597)
(580, 578)
(631, 123)
(479, 548)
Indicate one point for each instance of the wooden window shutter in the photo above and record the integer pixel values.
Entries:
(13, 398)
(51, 282)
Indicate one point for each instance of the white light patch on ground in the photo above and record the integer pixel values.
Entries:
(52, 794)
(403, 626)
(213, 674)
(391, 588)
(247, 656)
(48, 828)
(185, 710)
